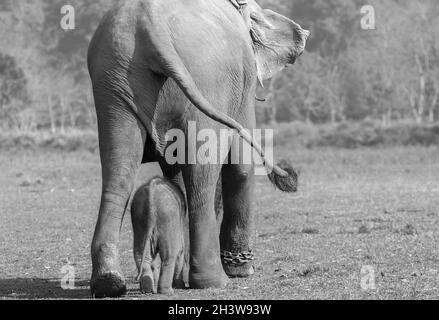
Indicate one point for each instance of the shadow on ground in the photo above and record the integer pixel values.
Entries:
(33, 288)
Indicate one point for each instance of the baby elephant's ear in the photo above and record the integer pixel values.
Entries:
(278, 41)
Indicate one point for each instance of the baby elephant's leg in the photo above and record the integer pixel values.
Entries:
(166, 275)
(169, 253)
(179, 282)
(143, 224)
(173, 259)
(147, 280)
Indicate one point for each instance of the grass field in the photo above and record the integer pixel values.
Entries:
(355, 208)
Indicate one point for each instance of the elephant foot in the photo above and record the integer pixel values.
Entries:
(239, 271)
(179, 284)
(167, 291)
(147, 284)
(238, 265)
(108, 285)
(206, 280)
(107, 278)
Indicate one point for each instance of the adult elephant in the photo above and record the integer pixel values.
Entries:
(155, 65)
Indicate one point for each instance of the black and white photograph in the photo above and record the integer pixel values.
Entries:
(241, 151)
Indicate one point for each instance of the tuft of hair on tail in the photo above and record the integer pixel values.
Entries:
(284, 177)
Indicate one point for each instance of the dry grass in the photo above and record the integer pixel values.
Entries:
(366, 207)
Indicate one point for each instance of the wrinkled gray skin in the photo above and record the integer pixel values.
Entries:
(155, 65)
(158, 215)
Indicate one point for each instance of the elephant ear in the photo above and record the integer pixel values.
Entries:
(277, 41)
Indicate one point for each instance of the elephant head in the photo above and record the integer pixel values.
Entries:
(277, 40)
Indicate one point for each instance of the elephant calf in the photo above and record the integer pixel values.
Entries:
(158, 214)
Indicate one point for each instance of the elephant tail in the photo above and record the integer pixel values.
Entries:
(282, 176)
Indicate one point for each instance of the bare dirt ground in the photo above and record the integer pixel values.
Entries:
(368, 207)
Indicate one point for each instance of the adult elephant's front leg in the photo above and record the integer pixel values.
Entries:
(121, 140)
(236, 227)
(205, 263)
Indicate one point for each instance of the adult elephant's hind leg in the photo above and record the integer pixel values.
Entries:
(205, 263)
(237, 186)
(121, 142)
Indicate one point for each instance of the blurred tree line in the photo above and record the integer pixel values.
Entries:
(350, 74)
(347, 74)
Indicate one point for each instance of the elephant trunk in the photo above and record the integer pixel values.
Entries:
(172, 66)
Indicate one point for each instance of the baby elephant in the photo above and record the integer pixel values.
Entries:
(158, 214)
